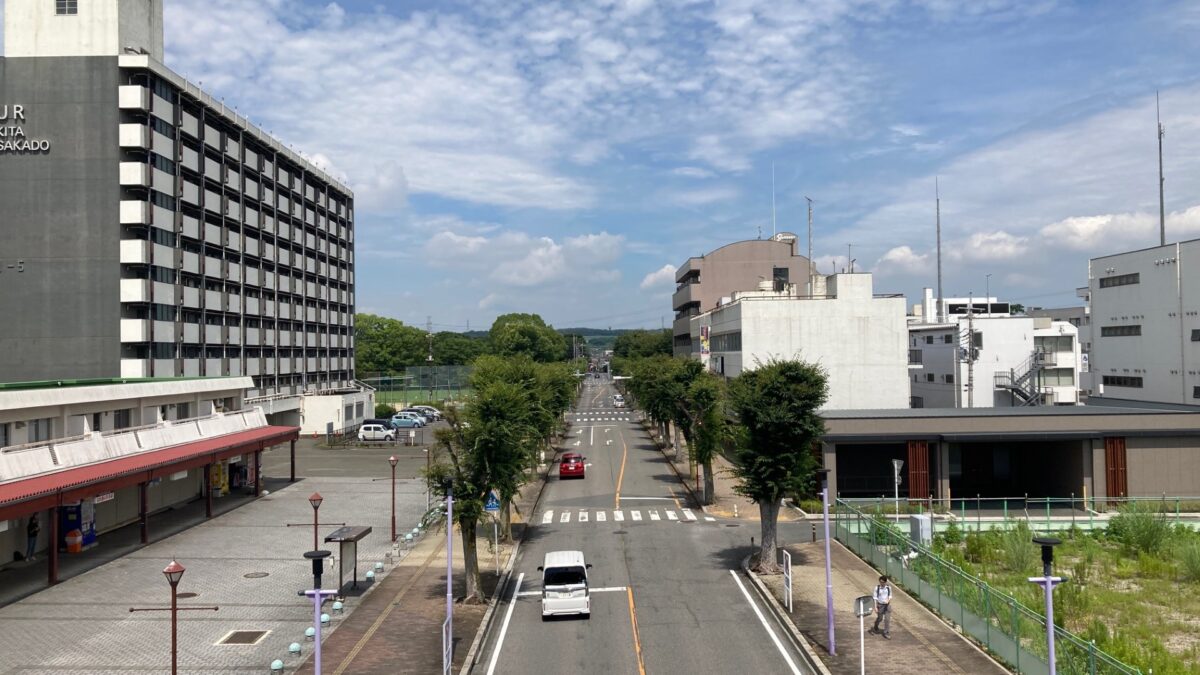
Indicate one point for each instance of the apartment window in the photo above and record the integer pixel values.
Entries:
(928, 339)
(1195, 394)
(1196, 335)
(348, 414)
(162, 312)
(122, 419)
(163, 237)
(1120, 331)
(1120, 280)
(39, 430)
(358, 409)
(930, 377)
(159, 199)
(66, 7)
(183, 411)
(1058, 377)
(948, 378)
(948, 339)
(919, 401)
(162, 163)
(1123, 381)
(4, 442)
(162, 350)
(915, 356)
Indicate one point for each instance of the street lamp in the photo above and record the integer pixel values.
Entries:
(898, 464)
(392, 460)
(173, 572)
(315, 500)
(448, 626)
(1048, 582)
(988, 291)
(824, 473)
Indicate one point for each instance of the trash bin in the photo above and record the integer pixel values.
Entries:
(74, 541)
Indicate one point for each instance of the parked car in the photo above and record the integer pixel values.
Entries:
(437, 414)
(618, 401)
(412, 416)
(571, 465)
(565, 584)
(402, 422)
(425, 417)
(376, 432)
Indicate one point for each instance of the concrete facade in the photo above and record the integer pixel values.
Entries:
(702, 281)
(1081, 318)
(1145, 309)
(858, 338)
(151, 231)
(95, 28)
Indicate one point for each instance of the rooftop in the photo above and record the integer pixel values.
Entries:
(1035, 411)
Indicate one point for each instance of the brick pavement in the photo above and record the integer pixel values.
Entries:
(921, 643)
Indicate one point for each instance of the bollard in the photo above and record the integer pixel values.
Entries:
(378, 566)
(277, 666)
(324, 619)
(338, 607)
(814, 531)
(310, 633)
(370, 575)
(294, 648)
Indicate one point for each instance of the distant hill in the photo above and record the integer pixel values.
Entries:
(587, 332)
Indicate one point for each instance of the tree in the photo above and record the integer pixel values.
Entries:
(777, 407)
(643, 343)
(386, 345)
(459, 468)
(528, 334)
(456, 349)
(704, 405)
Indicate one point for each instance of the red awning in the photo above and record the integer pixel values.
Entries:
(25, 496)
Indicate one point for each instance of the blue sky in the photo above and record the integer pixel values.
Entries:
(558, 157)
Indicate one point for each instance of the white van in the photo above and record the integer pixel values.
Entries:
(618, 401)
(376, 432)
(565, 584)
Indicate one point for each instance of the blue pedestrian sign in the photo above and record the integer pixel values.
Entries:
(493, 502)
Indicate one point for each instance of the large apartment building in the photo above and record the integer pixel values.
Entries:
(1145, 310)
(704, 280)
(151, 231)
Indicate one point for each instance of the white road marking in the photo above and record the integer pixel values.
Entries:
(504, 629)
(637, 515)
(592, 437)
(619, 516)
(608, 589)
(547, 517)
(687, 514)
(767, 627)
(524, 594)
(601, 516)
(671, 515)
(577, 443)
(710, 519)
(649, 499)
(654, 515)
(566, 517)
(583, 516)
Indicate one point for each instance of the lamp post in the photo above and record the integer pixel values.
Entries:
(824, 473)
(315, 500)
(428, 487)
(318, 595)
(988, 292)
(392, 460)
(1048, 582)
(173, 573)
(898, 464)
(448, 627)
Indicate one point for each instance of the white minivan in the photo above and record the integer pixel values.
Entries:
(376, 432)
(565, 585)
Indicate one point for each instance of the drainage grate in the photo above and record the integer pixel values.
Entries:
(256, 575)
(186, 595)
(243, 637)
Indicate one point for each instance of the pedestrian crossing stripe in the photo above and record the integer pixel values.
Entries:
(547, 517)
(637, 515)
(671, 515)
(619, 516)
(601, 516)
(565, 518)
(583, 516)
(709, 519)
(654, 515)
(687, 514)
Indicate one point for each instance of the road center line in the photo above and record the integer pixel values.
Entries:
(778, 645)
(637, 643)
(504, 628)
(621, 476)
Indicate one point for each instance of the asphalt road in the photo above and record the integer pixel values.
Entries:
(663, 596)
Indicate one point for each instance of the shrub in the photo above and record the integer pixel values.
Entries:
(952, 534)
(811, 506)
(1140, 527)
(1017, 550)
(1189, 560)
(384, 410)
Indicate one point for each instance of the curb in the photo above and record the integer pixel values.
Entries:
(671, 463)
(809, 656)
(485, 625)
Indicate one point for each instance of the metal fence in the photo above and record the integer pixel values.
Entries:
(1008, 629)
(420, 384)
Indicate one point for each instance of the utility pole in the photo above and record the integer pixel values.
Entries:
(941, 313)
(1162, 211)
(773, 230)
(812, 287)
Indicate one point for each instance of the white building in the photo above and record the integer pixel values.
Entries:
(1081, 318)
(858, 338)
(1145, 308)
(153, 232)
(984, 360)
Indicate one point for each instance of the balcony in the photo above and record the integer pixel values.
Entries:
(134, 136)
(191, 368)
(135, 212)
(235, 303)
(135, 174)
(135, 368)
(135, 252)
(191, 262)
(191, 333)
(688, 294)
(213, 368)
(191, 297)
(135, 290)
(212, 335)
(213, 300)
(135, 330)
(212, 267)
(133, 97)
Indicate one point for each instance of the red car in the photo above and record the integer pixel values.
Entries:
(571, 465)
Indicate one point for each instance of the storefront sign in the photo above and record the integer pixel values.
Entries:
(13, 138)
(106, 497)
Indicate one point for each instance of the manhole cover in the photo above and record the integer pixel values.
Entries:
(620, 532)
(243, 637)
(732, 525)
(256, 575)
(188, 594)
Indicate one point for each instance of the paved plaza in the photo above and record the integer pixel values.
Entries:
(83, 625)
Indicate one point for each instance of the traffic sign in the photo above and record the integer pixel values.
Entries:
(493, 502)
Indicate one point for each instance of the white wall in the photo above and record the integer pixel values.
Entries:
(101, 28)
(317, 411)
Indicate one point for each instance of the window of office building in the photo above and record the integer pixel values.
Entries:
(66, 7)
(39, 430)
(1120, 280)
(947, 339)
(1123, 381)
(948, 378)
(1058, 377)
(1196, 335)
(779, 274)
(1120, 331)
(727, 342)
(930, 377)
(123, 419)
(928, 339)
(916, 402)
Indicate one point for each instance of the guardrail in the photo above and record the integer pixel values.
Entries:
(1008, 629)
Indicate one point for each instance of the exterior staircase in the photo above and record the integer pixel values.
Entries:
(1023, 382)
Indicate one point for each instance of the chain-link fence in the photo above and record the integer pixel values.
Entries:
(1009, 630)
(420, 384)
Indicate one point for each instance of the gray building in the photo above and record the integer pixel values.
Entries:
(149, 231)
(703, 280)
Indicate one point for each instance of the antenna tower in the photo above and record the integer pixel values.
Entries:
(941, 308)
(1162, 212)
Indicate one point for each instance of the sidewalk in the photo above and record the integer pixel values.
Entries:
(921, 643)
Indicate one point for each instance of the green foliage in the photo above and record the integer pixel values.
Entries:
(980, 546)
(1140, 527)
(952, 534)
(777, 405)
(1189, 560)
(383, 410)
(1017, 550)
(386, 345)
(456, 349)
(527, 335)
(643, 343)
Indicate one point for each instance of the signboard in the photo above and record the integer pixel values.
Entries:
(13, 139)
(864, 605)
(492, 504)
(787, 578)
(106, 497)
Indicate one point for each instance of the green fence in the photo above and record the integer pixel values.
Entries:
(1008, 629)
(419, 384)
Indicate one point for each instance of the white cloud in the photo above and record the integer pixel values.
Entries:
(660, 278)
(701, 196)
(488, 300)
(516, 259)
(901, 260)
(988, 246)
(692, 172)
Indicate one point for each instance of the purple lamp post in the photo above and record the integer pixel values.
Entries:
(448, 627)
(392, 460)
(1048, 582)
(828, 566)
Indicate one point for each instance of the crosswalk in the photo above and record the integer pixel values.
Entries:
(604, 416)
(584, 516)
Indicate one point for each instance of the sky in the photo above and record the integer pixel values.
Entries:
(563, 157)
